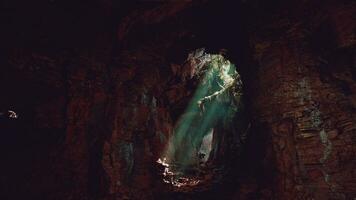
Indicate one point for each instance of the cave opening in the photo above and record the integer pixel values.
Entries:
(199, 139)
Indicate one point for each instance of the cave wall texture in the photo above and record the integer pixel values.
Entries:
(98, 90)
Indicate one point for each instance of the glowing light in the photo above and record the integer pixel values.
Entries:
(206, 146)
(214, 102)
(12, 114)
(175, 178)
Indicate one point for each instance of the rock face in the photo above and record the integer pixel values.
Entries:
(305, 95)
(96, 107)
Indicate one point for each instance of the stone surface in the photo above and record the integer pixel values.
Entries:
(96, 111)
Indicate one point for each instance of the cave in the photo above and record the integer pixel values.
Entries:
(178, 100)
(211, 117)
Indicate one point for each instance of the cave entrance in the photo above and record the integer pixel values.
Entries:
(199, 134)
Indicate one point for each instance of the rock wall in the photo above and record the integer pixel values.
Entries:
(305, 94)
(96, 117)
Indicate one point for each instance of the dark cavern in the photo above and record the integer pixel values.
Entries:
(178, 100)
